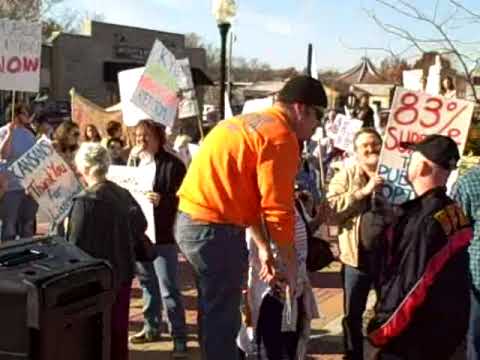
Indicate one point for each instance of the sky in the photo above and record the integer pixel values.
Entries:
(278, 31)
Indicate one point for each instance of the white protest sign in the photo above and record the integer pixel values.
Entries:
(188, 106)
(193, 149)
(255, 105)
(413, 116)
(412, 79)
(20, 53)
(127, 83)
(139, 181)
(156, 92)
(48, 179)
(346, 128)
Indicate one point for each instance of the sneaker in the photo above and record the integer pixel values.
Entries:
(144, 337)
(179, 349)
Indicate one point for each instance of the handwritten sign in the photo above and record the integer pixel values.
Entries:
(188, 106)
(346, 129)
(48, 179)
(415, 115)
(127, 83)
(20, 49)
(139, 181)
(156, 92)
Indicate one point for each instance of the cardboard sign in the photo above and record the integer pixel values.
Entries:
(188, 106)
(137, 180)
(346, 128)
(48, 179)
(413, 116)
(156, 92)
(127, 83)
(255, 105)
(20, 54)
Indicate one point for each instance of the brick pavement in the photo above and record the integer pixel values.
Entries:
(325, 343)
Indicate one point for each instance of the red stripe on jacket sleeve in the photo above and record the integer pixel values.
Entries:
(403, 315)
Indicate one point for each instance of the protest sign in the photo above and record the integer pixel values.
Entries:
(48, 179)
(255, 105)
(85, 112)
(139, 181)
(127, 83)
(20, 54)
(346, 129)
(188, 105)
(193, 149)
(412, 79)
(156, 92)
(413, 116)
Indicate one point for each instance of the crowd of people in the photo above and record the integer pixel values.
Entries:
(245, 211)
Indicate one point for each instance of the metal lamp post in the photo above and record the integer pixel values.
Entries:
(224, 12)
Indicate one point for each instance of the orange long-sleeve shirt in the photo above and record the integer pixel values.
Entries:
(245, 168)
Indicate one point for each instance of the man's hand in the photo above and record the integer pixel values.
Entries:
(267, 264)
(289, 257)
(375, 183)
(154, 198)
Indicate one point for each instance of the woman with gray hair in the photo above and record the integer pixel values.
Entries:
(106, 221)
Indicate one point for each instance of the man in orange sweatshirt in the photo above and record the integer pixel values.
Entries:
(243, 175)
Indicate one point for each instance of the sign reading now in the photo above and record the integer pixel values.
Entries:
(20, 53)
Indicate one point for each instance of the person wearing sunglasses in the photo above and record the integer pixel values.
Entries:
(17, 209)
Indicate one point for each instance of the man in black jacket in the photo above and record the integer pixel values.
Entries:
(423, 292)
(159, 278)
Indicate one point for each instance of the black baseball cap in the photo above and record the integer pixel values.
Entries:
(303, 89)
(439, 149)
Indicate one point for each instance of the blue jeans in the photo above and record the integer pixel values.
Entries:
(218, 254)
(356, 286)
(159, 280)
(473, 335)
(17, 212)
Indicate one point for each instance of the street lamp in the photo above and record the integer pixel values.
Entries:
(224, 12)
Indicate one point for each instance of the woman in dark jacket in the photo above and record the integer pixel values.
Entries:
(106, 221)
(159, 278)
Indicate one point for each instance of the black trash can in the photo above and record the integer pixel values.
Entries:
(55, 302)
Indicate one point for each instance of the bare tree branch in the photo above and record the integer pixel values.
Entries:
(473, 14)
(444, 44)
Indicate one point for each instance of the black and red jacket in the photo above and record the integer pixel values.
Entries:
(423, 285)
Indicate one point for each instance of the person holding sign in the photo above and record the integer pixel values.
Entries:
(244, 171)
(350, 196)
(159, 279)
(423, 303)
(106, 222)
(17, 209)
